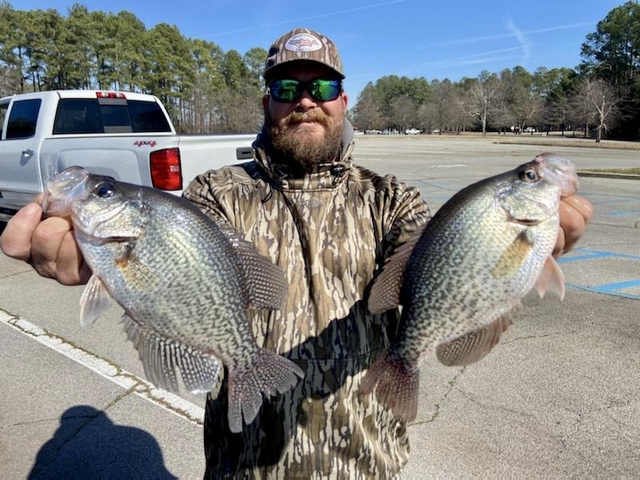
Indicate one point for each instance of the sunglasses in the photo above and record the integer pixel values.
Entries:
(321, 90)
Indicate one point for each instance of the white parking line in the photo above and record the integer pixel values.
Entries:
(113, 373)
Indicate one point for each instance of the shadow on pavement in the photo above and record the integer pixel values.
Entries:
(89, 445)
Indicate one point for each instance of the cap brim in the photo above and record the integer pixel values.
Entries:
(271, 71)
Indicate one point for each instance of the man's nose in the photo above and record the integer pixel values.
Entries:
(306, 101)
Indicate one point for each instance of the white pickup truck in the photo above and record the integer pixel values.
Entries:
(128, 136)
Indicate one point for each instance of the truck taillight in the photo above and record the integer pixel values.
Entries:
(166, 173)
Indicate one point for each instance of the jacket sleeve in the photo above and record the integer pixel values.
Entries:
(405, 215)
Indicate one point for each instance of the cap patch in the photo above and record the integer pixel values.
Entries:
(303, 42)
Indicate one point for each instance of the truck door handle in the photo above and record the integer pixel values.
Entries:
(244, 153)
(27, 153)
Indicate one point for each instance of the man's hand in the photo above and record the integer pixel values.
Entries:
(48, 245)
(575, 213)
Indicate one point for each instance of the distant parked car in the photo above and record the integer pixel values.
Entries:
(530, 130)
(412, 131)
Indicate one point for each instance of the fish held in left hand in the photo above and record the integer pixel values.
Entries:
(462, 278)
(185, 283)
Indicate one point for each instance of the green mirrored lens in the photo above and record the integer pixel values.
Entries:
(286, 90)
(290, 90)
(324, 90)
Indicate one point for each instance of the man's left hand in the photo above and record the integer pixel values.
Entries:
(575, 213)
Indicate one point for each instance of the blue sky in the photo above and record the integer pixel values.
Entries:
(413, 38)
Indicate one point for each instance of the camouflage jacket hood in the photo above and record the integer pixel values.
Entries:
(329, 231)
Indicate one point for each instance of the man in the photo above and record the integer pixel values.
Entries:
(329, 224)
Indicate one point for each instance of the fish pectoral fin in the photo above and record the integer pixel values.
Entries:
(385, 290)
(94, 302)
(163, 357)
(473, 346)
(514, 256)
(551, 279)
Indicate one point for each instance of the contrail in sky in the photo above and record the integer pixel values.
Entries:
(304, 19)
(522, 40)
(511, 34)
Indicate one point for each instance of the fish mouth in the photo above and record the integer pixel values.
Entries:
(63, 189)
(559, 171)
(527, 222)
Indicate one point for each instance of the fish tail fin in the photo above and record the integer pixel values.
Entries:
(396, 386)
(269, 373)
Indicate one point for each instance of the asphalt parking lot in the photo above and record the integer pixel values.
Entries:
(558, 397)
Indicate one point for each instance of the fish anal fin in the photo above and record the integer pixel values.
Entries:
(551, 279)
(396, 386)
(95, 301)
(514, 256)
(162, 358)
(385, 291)
(473, 346)
(268, 374)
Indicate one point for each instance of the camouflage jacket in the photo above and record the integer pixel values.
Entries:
(329, 231)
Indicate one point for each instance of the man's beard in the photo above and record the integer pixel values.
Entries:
(305, 151)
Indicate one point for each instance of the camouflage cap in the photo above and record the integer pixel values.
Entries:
(303, 44)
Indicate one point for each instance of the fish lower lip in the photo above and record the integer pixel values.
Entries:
(526, 222)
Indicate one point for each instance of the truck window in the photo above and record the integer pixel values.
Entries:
(23, 118)
(77, 116)
(148, 117)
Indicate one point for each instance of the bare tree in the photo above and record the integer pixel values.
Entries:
(484, 91)
(404, 113)
(597, 101)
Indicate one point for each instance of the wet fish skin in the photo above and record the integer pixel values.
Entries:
(463, 276)
(184, 282)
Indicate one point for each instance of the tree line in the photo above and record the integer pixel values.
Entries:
(599, 97)
(208, 90)
(203, 88)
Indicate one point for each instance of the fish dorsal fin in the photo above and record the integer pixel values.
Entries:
(551, 279)
(265, 283)
(474, 345)
(385, 291)
(162, 357)
(94, 302)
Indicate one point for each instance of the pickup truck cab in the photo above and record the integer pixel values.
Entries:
(128, 136)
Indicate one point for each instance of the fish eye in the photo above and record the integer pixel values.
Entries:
(105, 190)
(529, 175)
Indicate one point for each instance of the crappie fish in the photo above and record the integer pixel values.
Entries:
(184, 282)
(460, 280)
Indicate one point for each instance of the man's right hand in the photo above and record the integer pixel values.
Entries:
(48, 245)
